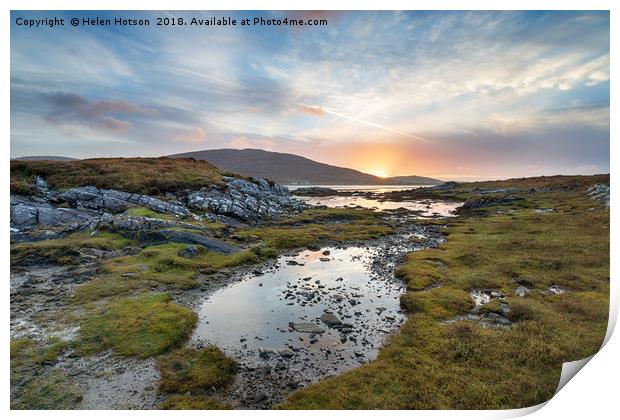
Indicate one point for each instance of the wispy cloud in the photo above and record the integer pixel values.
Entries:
(105, 114)
(437, 84)
(312, 110)
(195, 136)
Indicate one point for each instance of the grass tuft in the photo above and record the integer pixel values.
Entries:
(185, 402)
(192, 370)
(142, 326)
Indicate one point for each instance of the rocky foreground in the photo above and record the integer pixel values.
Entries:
(50, 214)
(108, 287)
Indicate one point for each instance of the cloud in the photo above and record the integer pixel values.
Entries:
(470, 82)
(240, 143)
(312, 110)
(195, 136)
(73, 108)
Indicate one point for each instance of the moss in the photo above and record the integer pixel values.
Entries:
(192, 370)
(51, 391)
(185, 402)
(142, 326)
(461, 365)
(146, 212)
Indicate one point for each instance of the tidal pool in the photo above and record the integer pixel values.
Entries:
(426, 208)
(278, 317)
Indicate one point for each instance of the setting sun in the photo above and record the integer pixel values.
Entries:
(381, 173)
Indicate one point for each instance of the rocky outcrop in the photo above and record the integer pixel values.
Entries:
(114, 201)
(245, 200)
(450, 185)
(50, 213)
(600, 193)
(30, 212)
(149, 229)
(476, 204)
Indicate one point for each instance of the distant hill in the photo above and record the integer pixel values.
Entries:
(59, 158)
(285, 168)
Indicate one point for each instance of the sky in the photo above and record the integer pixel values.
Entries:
(452, 95)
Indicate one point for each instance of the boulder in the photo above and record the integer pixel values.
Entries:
(245, 200)
(330, 319)
(190, 252)
(522, 291)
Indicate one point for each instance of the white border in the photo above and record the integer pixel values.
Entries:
(593, 394)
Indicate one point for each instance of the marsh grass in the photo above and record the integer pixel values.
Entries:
(53, 390)
(318, 226)
(150, 176)
(431, 364)
(25, 352)
(193, 402)
(142, 326)
(32, 385)
(160, 267)
(195, 370)
(65, 250)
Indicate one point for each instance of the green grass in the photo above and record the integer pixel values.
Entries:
(142, 326)
(53, 390)
(33, 387)
(25, 352)
(146, 212)
(160, 267)
(331, 215)
(64, 251)
(282, 238)
(317, 226)
(462, 365)
(184, 402)
(194, 371)
(151, 176)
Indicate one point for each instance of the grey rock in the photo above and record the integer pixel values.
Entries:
(522, 291)
(246, 200)
(306, 327)
(600, 193)
(190, 252)
(503, 321)
(330, 320)
(286, 352)
(117, 201)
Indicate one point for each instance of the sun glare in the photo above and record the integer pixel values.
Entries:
(381, 173)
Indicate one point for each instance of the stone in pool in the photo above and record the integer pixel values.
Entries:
(307, 327)
(330, 319)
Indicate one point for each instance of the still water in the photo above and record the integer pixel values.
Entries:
(375, 201)
(276, 316)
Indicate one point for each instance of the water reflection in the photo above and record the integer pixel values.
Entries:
(276, 317)
(425, 207)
